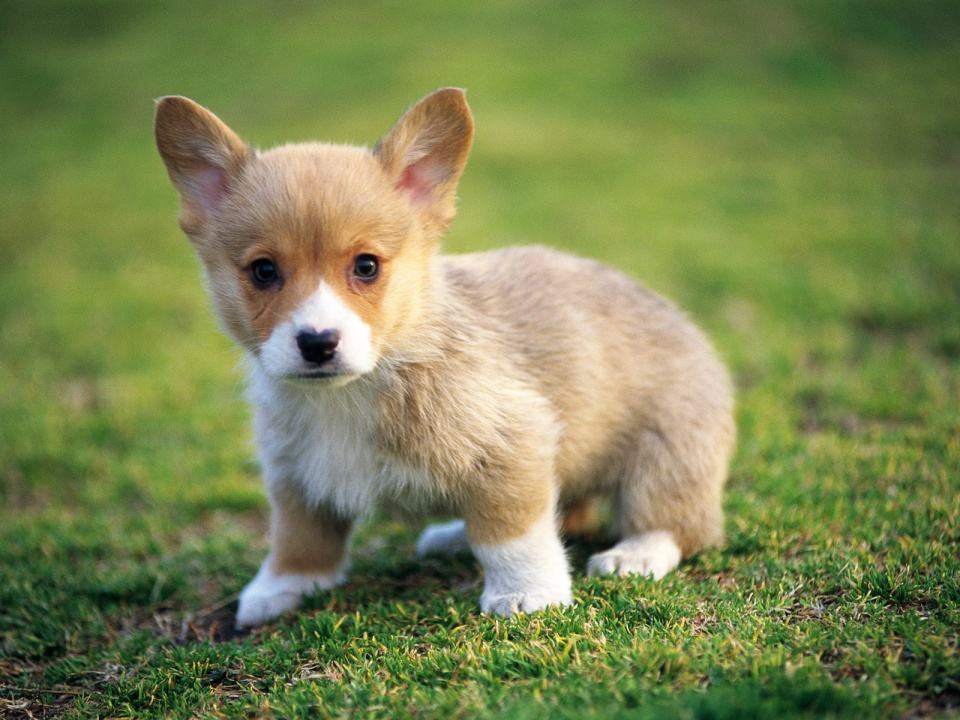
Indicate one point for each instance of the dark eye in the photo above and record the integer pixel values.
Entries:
(366, 266)
(264, 272)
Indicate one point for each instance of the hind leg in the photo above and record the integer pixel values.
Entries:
(580, 517)
(668, 505)
(446, 538)
(651, 553)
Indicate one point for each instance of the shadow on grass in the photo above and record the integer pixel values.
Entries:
(376, 579)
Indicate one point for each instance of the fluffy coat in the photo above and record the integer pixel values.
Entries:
(507, 388)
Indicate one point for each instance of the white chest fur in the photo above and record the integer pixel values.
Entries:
(324, 439)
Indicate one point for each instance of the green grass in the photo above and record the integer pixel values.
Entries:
(788, 171)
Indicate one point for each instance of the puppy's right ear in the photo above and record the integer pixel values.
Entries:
(203, 158)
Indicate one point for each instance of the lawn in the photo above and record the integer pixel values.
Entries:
(789, 172)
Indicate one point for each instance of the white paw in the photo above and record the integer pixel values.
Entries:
(525, 574)
(443, 539)
(654, 554)
(525, 601)
(269, 595)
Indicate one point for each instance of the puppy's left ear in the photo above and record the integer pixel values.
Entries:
(425, 152)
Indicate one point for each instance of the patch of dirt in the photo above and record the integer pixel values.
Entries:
(29, 703)
(943, 705)
(214, 623)
(32, 700)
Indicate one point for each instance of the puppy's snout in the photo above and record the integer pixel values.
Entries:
(318, 347)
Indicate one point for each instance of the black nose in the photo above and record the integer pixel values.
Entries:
(318, 347)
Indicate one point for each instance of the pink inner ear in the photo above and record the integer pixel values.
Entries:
(420, 179)
(209, 186)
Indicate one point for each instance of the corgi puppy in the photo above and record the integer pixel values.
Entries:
(508, 389)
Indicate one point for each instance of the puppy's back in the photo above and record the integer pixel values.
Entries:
(613, 357)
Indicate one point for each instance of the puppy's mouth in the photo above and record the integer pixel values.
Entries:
(318, 375)
(328, 378)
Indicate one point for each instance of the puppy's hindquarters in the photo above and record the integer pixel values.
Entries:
(644, 404)
(669, 500)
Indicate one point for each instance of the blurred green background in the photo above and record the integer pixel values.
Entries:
(788, 171)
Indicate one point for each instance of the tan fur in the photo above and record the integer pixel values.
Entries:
(305, 539)
(615, 393)
(580, 516)
(508, 378)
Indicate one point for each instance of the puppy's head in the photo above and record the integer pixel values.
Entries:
(317, 257)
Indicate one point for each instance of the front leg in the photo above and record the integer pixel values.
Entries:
(308, 549)
(519, 547)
